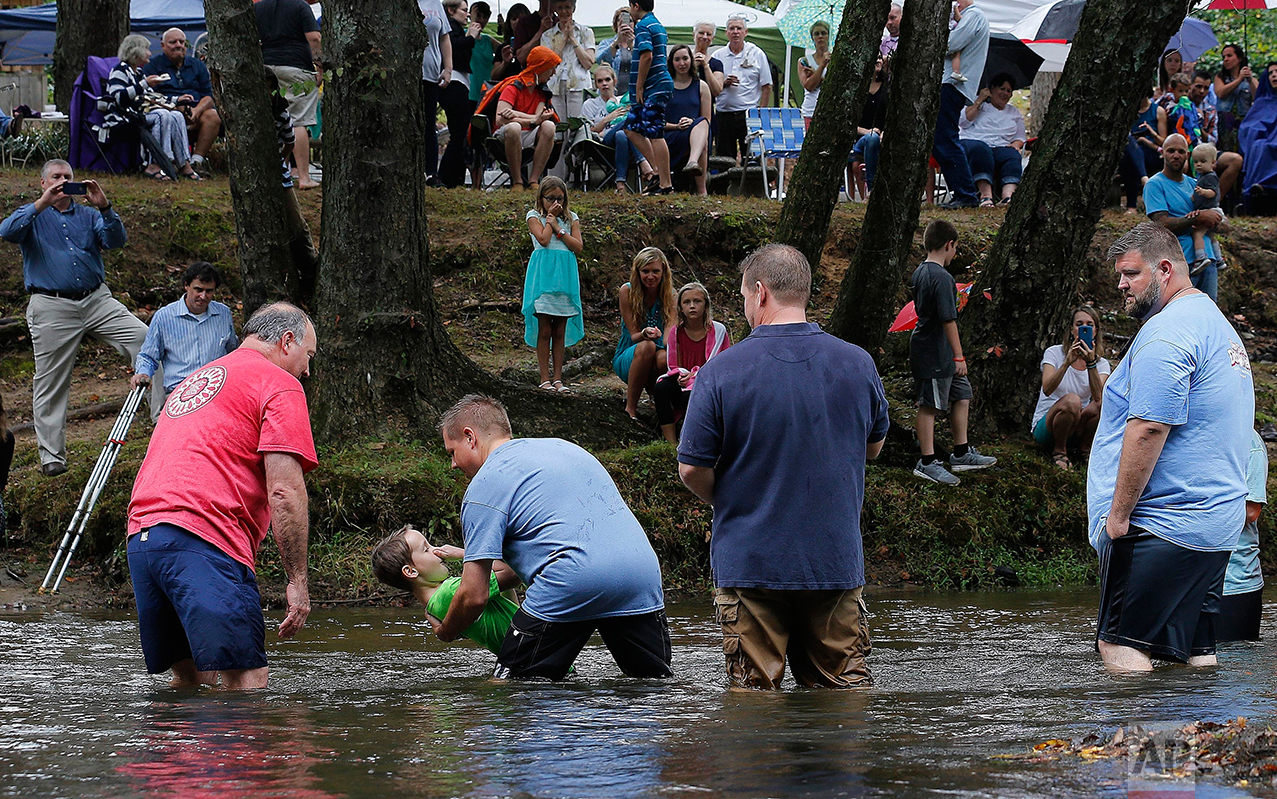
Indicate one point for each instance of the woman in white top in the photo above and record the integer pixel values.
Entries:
(1073, 376)
(811, 69)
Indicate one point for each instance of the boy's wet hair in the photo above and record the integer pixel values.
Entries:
(389, 556)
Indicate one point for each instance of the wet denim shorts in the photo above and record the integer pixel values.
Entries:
(194, 601)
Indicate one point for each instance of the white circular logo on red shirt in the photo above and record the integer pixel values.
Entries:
(196, 391)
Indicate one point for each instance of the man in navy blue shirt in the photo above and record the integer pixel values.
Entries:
(62, 243)
(777, 432)
(188, 81)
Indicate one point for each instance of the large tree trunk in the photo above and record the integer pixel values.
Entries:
(241, 90)
(867, 298)
(1034, 267)
(84, 28)
(813, 191)
(386, 364)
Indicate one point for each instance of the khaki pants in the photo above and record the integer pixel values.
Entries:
(824, 635)
(57, 327)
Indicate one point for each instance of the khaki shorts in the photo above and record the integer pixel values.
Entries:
(824, 635)
(303, 104)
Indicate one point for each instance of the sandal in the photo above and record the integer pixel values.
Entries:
(159, 175)
(547, 385)
(193, 175)
(562, 389)
(1061, 459)
(987, 202)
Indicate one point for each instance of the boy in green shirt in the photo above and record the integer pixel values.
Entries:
(404, 559)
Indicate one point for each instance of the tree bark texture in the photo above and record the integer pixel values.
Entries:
(253, 153)
(1034, 267)
(386, 364)
(813, 191)
(84, 28)
(868, 297)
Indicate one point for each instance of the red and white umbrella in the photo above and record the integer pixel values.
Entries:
(1243, 5)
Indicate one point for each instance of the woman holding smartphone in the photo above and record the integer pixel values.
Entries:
(1073, 376)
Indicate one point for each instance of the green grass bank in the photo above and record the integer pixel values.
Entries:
(1020, 523)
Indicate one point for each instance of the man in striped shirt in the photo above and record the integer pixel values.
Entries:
(186, 334)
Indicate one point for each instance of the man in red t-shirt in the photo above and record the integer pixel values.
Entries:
(525, 118)
(226, 463)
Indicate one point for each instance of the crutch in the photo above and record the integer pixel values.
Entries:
(97, 479)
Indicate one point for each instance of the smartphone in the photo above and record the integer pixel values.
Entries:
(71, 187)
(1087, 335)
(625, 18)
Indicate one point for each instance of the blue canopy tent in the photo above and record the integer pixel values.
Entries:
(26, 34)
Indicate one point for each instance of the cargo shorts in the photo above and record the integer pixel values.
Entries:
(824, 634)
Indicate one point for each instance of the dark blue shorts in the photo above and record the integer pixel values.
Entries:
(648, 119)
(194, 601)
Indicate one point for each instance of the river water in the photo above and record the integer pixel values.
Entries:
(366, 705)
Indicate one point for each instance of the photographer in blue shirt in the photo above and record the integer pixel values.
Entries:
(62, 243)
(191, 88)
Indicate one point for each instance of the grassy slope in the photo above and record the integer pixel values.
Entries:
(1024, 516)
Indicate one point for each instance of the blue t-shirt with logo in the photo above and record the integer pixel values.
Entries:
(1185, 368)
(1163, 194)
(650, 36)
(552, 512)
(783, 418)
(1244, 573)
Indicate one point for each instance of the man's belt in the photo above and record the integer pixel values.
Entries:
(64, 295)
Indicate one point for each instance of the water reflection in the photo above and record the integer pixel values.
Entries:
(213, 746)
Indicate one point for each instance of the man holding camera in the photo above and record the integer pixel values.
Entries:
(62, 243)
(187, 83)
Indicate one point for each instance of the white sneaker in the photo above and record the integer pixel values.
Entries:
(957, 77)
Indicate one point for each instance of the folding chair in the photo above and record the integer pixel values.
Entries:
(779, 134)
(494, 147)
(594, 164)
(97, 147)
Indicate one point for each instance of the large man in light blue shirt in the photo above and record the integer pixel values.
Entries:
(550, 510)
(1168, 201)
(186, 334)
(1166, 484)
(970, 39)
(62, 243)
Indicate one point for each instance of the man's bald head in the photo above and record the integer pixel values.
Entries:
(1174, 139)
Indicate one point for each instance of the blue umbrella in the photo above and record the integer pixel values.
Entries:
(1194, 38)
(795, 26)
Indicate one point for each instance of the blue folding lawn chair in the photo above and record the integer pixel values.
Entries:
(778, 133)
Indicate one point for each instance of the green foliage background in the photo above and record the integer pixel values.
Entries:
(1255, 30)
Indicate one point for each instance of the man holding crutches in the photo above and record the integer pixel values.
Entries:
(225, 464)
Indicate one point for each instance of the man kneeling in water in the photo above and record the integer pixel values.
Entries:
(404, 559)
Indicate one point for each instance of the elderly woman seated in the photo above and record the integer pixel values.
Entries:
(992, 132)
(132, 100)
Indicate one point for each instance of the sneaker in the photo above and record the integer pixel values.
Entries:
(1198, 266)
(1221, 264)
(957, 77)
(935, 472)
(53, 469)
(971, 461)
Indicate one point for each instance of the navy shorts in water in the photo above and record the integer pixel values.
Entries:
(1160, 597)
(194, 601)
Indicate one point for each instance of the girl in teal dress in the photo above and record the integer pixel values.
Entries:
(646, 312)
(552, 288)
